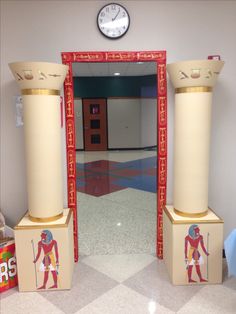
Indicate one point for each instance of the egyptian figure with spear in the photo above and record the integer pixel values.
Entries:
(50, 261)
(192, 254)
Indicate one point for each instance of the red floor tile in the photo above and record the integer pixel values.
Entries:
(100, 189)
(150, 172)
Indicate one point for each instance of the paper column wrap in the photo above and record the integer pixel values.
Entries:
(191, 151)
(43, 155)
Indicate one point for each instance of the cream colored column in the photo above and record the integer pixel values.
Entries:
(193, 82)
(40, 84)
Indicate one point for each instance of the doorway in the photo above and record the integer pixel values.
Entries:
(159, 57)
(95, 124)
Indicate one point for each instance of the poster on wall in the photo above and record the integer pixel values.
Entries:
(19, 111)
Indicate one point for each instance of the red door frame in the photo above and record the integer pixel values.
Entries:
(118, 56)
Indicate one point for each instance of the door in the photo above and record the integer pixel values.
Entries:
(95, 124)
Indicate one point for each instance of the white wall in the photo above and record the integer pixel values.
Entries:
(123, 117)
(41, 30)
(148, 122)
(79, 124)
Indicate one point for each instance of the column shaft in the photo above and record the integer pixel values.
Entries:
(191, 152)
(43, 155)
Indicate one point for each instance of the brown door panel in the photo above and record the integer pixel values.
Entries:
(95, 124)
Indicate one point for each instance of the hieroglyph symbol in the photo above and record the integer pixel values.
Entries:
(196, 73)
(28, 75)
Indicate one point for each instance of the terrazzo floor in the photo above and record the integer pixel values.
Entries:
(118, 272)
(117, 203)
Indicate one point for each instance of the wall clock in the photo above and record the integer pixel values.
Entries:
(113, 20)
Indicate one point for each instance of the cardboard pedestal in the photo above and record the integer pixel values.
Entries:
(187, 243)
(45, 254)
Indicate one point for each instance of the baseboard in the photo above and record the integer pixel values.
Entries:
(124, 148)
(133, 148)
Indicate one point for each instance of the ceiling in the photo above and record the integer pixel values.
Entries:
(109, 68)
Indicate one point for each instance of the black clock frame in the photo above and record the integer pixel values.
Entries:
(107, 36)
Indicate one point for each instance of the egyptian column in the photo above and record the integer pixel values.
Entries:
(193, 82)
(40, 84)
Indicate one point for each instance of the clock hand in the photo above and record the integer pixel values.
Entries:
(116, 15)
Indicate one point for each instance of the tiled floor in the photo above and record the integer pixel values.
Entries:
(123, 284)
(118, 272)
(102, 177)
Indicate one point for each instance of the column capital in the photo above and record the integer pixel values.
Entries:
(39, 75)
(194, 73)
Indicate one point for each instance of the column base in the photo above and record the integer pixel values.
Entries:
(190, 215)
(46, 219)
(45, 253)
(186, 261)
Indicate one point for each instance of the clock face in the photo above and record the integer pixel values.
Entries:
(113, 20)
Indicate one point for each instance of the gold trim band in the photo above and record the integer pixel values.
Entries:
(40, 91)
(69, 216)
(42, 226)
(192, 221)
(193, 89)
(27, 227)
(47, 219)
(194, 215)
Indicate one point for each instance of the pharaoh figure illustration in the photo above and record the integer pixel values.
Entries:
(192, 254)
(50, 261)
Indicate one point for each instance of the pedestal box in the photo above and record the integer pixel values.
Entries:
(45, 253)
(192, 248)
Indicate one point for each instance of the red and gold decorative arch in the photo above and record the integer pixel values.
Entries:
(118, 56)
